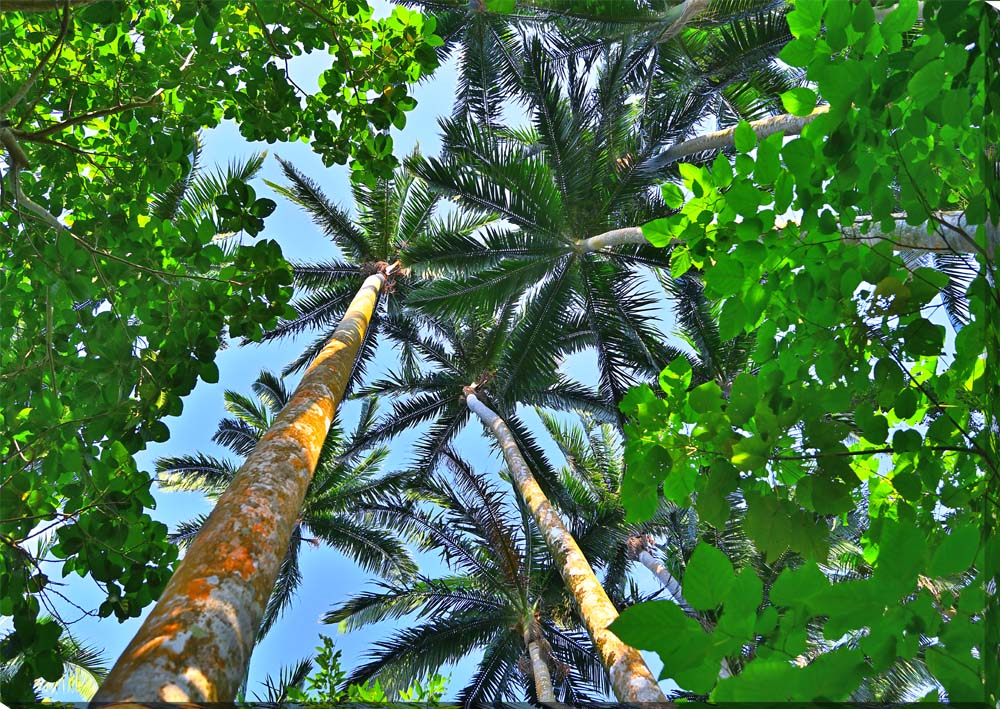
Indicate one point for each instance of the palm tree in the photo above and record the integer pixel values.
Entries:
(501, 598)
(720, 53)
(224, 581)
(631, 679)
(338, 506)
(580, 171)
(391, 215)
(506, 369)
(592, 477)
(490, 351)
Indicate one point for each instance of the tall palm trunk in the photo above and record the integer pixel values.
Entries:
(196, 643)
(630, 677)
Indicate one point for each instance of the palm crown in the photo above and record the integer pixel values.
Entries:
(493, 353)
(391, 215)
(580, 171)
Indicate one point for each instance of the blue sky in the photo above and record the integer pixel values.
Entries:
(328, 576)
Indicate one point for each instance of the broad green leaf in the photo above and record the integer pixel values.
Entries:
(707, 578)
(684, 648)
(927, 83)
(673, 196)
(725, 278)
(705, 398)
(799, 587)
(799, 101)
(734, 319)
(660, 232)
(902, 548)
(642, 477)
(744, 138)
(743, 397)
(960, 674)
(804, 19)
(923, 337)
(676, 377)
(713, 505)
(956, 553)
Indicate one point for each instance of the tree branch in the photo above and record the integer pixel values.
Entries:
(26, 86)
(84, 117)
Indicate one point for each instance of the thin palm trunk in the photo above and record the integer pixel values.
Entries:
(631, 679)
(950, 236)
(785, 124)
(539, 669)
(196, 643)
(665, 578)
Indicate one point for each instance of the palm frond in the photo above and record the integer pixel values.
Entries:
(198, 472)
(187, 531)
(335, 222)
(276, 688)
(287, 583)
(199, 197)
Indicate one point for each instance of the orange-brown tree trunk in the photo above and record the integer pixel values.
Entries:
(196, 643)
(631, 679)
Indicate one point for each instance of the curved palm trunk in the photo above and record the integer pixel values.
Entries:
(665, 578)
(785, 123)
(950, 236)
(196, 643)
(630, 677)
(539, 668)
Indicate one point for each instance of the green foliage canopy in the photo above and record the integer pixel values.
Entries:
(114, 298)
(859, 395)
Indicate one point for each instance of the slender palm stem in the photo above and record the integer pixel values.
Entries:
(630, 677)
(950, 236)
(539, 670)
(673, 587)
(785, 124)
(196, 643)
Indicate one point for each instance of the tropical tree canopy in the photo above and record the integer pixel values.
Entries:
(737, 265)
(858, 392)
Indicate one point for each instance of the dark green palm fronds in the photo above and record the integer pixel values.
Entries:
(335, 221)
(502, 583)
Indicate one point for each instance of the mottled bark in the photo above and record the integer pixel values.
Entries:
(196, 643)
(951, 235)
(631, 679)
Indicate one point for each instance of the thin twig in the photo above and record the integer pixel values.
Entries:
(26, 86)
